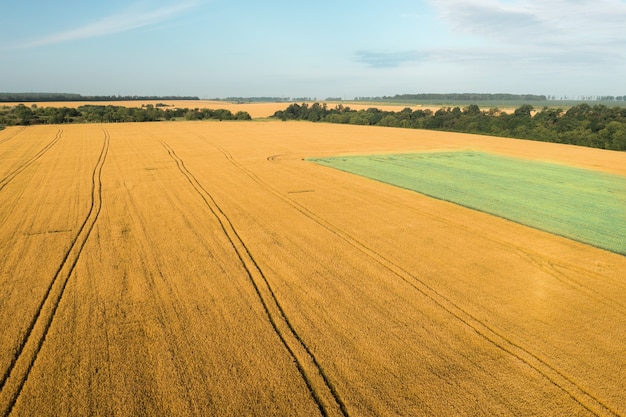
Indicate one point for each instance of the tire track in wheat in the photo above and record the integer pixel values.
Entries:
(15, 376)
(551, 266)
(320, 387)
(557, 378)
(9, 177)
(548, 265)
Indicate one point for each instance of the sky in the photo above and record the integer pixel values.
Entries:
(317, 49)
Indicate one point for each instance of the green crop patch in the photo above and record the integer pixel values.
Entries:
(579, 204)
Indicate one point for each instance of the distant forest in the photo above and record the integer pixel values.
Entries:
(43, 97)
(475, 97)
(595, 126)
(23, 115)
(482, 97)
(240, 100)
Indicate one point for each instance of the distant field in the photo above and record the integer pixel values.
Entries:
(580, 204)
(209, 269)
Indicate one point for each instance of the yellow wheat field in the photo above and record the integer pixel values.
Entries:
(206, 268)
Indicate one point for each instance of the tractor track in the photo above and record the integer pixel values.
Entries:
(8, 178)
(321, 389)
(557, 378)
(25, 355)
(555, 268)
(547, 265)
(552, 267)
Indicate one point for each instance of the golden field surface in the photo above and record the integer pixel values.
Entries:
(206, 268)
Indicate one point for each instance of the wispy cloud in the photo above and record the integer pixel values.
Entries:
(492, 57)
(567, 23)
(536, 19)
(125, 21)
(519, 32)
(378, 59)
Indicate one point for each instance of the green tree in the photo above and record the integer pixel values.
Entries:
(23, 114)
(613, 136)
(389, 121)
(192, 115)
(472, 110)
(242, 115)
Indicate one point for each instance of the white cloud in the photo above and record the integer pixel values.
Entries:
(122, 22)
(522, 33)
(555, 21)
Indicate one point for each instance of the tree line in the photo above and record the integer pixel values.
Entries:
(43, 97)
(458, 97)
(481, 97)
(23, 115)
(595, 126)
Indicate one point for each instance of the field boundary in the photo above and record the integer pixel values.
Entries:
(563, 382)
(548, 222)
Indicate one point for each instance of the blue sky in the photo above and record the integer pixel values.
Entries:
(319, 49)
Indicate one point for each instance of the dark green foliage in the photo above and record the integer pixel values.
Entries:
(598, 126)
(219, 114)
(23, 115)
(492, 100)
(242, 115)
(29, 97)
(241, 100)
(465, 97)
(15, 97)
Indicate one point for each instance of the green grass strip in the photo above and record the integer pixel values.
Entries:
(579, 204)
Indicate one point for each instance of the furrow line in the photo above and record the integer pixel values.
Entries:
(578, 394)
(7, 179)
(317, 382)
(29, 347)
